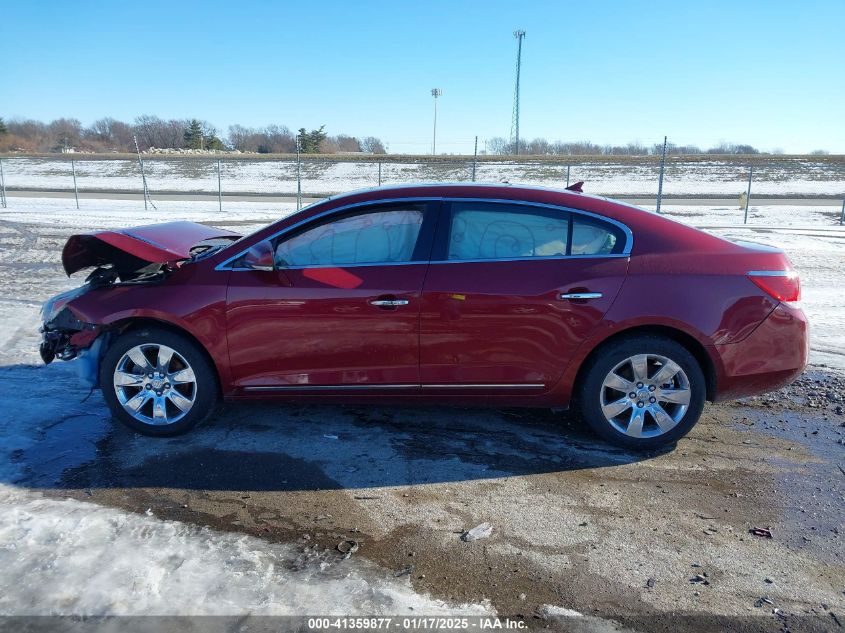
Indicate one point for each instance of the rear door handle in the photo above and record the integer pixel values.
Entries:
(388, 303)
(581, 296)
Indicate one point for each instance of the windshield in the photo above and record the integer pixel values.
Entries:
(261, 228)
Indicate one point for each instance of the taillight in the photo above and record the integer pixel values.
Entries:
(783, 285)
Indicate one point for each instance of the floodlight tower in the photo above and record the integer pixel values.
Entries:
(519, 35)
(435, 92)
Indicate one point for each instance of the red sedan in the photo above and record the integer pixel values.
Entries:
(487, 294)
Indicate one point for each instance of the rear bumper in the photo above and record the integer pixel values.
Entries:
(772, 356)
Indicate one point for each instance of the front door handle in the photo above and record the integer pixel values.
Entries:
(388, 303)
(580, 296)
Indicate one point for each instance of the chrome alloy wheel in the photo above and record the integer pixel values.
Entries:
(645, 395)
(155, 384)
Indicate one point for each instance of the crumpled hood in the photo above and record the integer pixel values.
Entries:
(133, 248)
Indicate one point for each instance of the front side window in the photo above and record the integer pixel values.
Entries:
(502, 231)
(387, 235)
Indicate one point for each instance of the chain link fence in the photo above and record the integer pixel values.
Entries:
(224, 178)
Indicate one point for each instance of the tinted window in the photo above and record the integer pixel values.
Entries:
(593, 238)
(501, 231)
(386, 235)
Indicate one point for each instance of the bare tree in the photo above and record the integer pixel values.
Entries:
(372, 145)
(66, 133)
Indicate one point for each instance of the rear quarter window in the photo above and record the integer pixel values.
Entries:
(594, 237)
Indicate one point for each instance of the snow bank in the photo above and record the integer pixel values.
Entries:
(66, 557)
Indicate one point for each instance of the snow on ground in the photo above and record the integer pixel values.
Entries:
(66, 557)
(99, 214)
(777, 177)
(52, 552)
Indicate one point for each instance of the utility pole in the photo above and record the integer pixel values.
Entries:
(435, 92)
(519, 35)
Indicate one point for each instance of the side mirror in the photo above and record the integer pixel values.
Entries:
(260, 257)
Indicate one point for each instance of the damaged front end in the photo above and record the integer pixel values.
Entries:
(66, 337)
(120, 258)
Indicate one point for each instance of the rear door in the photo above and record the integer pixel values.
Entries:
(512, 290)
(341, 310)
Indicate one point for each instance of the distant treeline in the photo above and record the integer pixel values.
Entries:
(543, 147)
(152, 132)
(111, 135)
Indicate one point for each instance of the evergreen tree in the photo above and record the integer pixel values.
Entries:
(309, 142)
(214, 143)
(3, 129)
(194, 135)
(316, 138)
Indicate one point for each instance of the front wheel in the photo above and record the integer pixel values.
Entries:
(642, 392)
(158, 382)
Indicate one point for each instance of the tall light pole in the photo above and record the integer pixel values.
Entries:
(519, 35)
(435, 92)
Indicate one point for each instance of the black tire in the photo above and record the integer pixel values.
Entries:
(205, 391)
(607, 358)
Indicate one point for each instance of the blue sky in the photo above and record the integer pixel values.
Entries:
(771, 73)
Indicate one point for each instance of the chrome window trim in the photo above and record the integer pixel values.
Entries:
(380, 264)
(527, 259)
(626, 250)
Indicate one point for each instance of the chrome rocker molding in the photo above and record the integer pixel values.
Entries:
(270, 388)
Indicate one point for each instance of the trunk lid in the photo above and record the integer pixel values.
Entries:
(136, 247)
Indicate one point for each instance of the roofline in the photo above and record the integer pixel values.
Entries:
(479, 185)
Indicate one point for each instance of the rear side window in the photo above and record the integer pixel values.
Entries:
(374, 237)
(501, 231)
(594, 237)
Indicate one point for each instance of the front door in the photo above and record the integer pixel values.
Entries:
(511, 292)
(341, 310)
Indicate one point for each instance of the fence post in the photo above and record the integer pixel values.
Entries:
(219, 188)
(748, 193)
(2, 186)
(567, 175)
(298, 178)
(660, 180)
(379, 173)
(143, 175)
(475, 158)
(75, 188)
(841, 215)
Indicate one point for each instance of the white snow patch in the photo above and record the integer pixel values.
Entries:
(66, 557)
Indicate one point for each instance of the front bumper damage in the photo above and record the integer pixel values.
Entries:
(66, 337)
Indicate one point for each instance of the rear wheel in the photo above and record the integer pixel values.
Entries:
(158, 382)
(642, 392)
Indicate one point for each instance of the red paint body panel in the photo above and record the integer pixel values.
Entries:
(753, 366)
(318, 327)
(480, 323)
(155, 243)
(504, 322)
